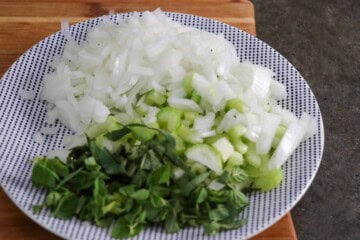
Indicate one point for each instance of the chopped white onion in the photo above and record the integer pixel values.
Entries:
(295, 133)
(184, 104)
(269, 123)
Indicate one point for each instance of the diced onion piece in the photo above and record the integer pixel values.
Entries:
(205, 155)
(224, 147)
(290, 141)
(204, 123)
(184, 104)
(269, 123)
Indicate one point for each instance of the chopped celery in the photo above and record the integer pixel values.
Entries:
(205, 155)
(245, 140)
(141, 110)
(251, 157)
(280, 131)
(234, 160)
(261, 170)
(188, 135)
(236, 132)
(224, 147)
(98, 129)
(218, 119)
(195, 97)
(190, 117)
(275, 142)
(187, 84)
(197, 168)
(143, 134)
(154, 98)
(240, 146)
(169, 118)
(270, 180)
(234, 103)
(180, 146)
(211, 140)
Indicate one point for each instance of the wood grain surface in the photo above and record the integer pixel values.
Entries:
(26, 22)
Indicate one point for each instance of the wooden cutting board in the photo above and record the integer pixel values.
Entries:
(26, 22)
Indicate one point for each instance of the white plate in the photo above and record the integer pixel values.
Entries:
(21, 119)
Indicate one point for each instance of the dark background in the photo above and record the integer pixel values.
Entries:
(321, 38)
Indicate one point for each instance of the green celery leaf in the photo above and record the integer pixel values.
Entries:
(52, 199)
(106, 160)
(218, 196)
(193, 183)
(160, 191)
(121, 229)
(155, 214)
(238, 199)
(42, 175)
(91, 165)
(127, 190)
(81, 203)
(171, 222)
(56, 165)
(219, 213)
(104, 222)
(139, 178)
(157, 201)
(99, 190)
(82, 180)
(160, 176)
(36, 208)
(211, 228)
(66, 207)
(117, 134)
(232, 224)
(140, 195)
(201, 195)
(131, 224)
(77, 156)
(68, 178)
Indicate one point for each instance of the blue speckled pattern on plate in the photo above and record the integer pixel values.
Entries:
(21, 119)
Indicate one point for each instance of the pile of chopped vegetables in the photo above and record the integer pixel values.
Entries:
(170, 128)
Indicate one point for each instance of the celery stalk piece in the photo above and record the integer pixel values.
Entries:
(269, 181)
(153, 98)
(234, 103)
(205, 155)
(169, 118)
